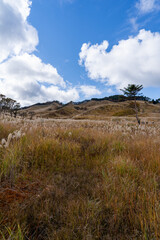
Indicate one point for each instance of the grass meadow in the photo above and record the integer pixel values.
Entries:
(82, 180)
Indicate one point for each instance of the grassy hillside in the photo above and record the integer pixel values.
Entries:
(92, 110)
(80, 180)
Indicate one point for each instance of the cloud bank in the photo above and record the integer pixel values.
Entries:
(135, 60)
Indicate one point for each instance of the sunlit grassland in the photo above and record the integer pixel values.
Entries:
(79, 183)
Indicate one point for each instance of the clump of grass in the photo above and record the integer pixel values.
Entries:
(5, 130)
(80, 183)
(12, 234)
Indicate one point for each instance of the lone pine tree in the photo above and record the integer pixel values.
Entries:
(131, 92)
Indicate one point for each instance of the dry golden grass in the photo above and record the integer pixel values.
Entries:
(80, 180)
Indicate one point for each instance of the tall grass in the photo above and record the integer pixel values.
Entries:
(80, 184)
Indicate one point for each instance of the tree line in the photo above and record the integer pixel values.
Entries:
(123, 98)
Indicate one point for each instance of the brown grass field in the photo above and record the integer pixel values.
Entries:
(80, 180)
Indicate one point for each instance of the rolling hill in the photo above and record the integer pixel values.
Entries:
(91, 109)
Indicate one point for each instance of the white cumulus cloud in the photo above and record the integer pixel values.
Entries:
(89, 91)
(16, 34)
(135, 60)
(26, 68)
(26, 78)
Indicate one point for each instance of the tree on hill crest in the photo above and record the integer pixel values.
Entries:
(131, 92)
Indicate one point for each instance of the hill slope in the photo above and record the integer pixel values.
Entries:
(92, 109)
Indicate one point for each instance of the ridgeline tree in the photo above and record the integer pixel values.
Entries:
(131, 92)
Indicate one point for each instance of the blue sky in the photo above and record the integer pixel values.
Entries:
(76, 49)
(63, 27)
